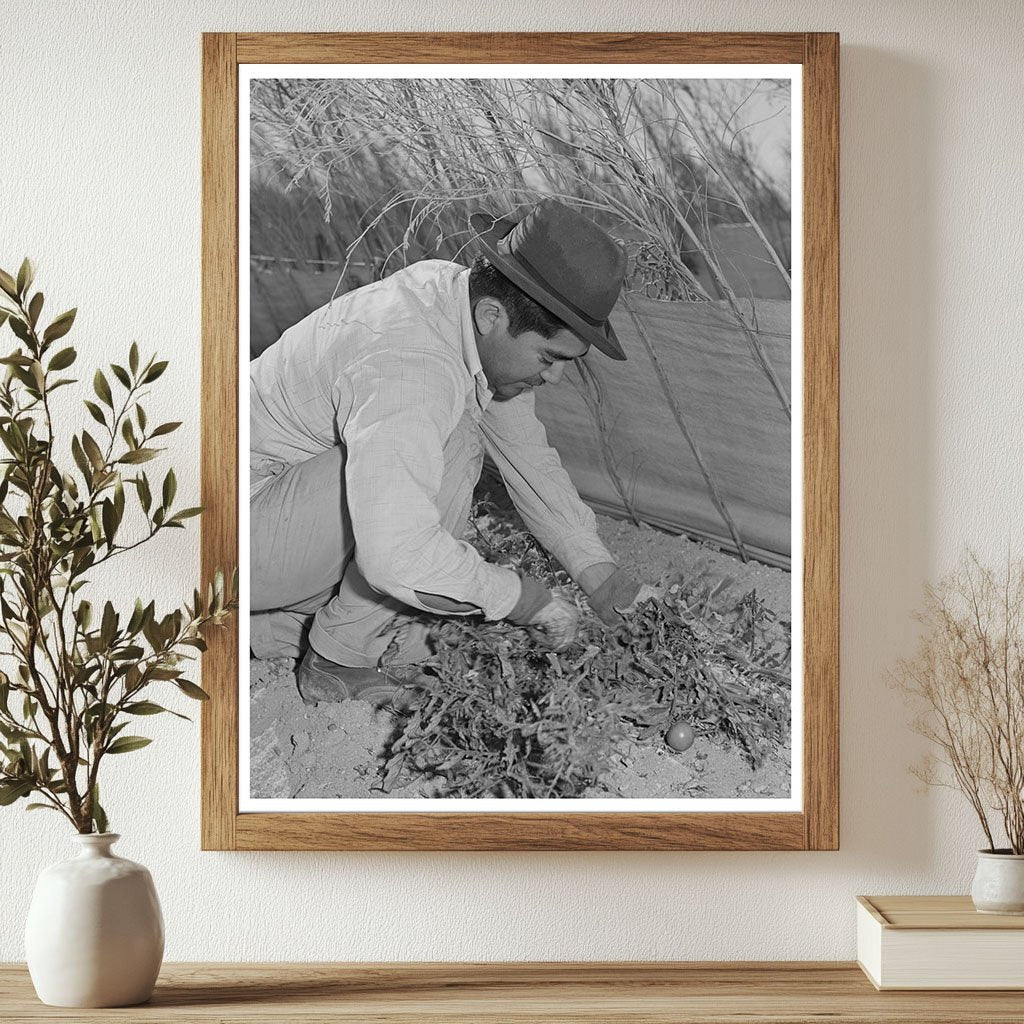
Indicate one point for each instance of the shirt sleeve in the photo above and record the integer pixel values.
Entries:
(540, 488)
(395, 411)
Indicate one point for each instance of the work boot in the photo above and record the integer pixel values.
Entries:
(319, 679)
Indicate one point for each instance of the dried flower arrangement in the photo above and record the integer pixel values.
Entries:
(967, 680)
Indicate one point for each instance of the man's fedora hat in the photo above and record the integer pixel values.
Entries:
(564, 262)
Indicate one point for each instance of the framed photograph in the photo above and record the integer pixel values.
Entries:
(520, 419)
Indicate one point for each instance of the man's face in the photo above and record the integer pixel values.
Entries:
(514, 365)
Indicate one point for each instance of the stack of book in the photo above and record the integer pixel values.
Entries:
(938, 942)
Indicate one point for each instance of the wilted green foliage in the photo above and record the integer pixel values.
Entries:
(79, 672)
(503, 718)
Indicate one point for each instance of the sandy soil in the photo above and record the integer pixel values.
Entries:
(333, 751)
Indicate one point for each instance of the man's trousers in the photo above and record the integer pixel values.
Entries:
(305, 583)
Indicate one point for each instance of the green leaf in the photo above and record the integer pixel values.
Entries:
(126, 744)
(121, 374)
(63, 359)
(151, 631)
(145, 498)
(132, 679)
(12, 733)
(133, 358)
(185, 513)
(84, 614)
(138, 455)
(135, 622)
(170, 487)
(99, 816)
(147, 707)
(143, 707)
(60, 326)
(7, 283)
(95, 528)
(92, 449)
(109, 521)
(171, 674)
(34, 308)
(41, 807)
(10, 442)
(130, 653)
(102, 388)
(96, 412)
(154, 372)
(191, 690)
(26, 274)
(128, 433)
(20, 329)
(96, 711)
(140, 415)
(80, 458)
(11, 791)
(119, 498)
(165, 428)
(116, 730)
(108, 626)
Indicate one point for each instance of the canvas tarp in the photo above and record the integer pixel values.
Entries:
(723, 413)
(703, 447)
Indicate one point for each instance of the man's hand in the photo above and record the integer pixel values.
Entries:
(617, 597)
(556, 624)
(553, 619)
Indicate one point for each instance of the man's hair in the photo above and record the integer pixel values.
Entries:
(485, 280)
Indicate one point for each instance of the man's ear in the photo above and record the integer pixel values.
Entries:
(488, 313)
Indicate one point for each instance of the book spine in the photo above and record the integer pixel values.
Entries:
(869, 945)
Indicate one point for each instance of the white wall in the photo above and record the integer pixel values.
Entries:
(99, 182)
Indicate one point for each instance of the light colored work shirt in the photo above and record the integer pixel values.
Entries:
(388, 370)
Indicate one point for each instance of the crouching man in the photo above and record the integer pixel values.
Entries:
(369, 422)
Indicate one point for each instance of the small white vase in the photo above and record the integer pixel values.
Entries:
(95, 934)
(999, 882)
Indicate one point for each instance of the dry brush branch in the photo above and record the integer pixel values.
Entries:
(966, 681)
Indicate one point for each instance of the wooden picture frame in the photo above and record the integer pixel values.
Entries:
(816, 826)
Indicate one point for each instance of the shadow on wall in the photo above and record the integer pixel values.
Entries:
(888, 272)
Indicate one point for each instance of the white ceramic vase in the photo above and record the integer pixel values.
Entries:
(95, 934)
(999, 882)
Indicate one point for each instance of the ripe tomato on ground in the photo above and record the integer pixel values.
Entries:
(680, 736)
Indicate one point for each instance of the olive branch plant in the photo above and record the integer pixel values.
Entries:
(80, 675)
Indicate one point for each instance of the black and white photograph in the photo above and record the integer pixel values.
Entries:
(522, 520)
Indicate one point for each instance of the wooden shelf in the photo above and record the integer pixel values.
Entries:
(613, 993)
